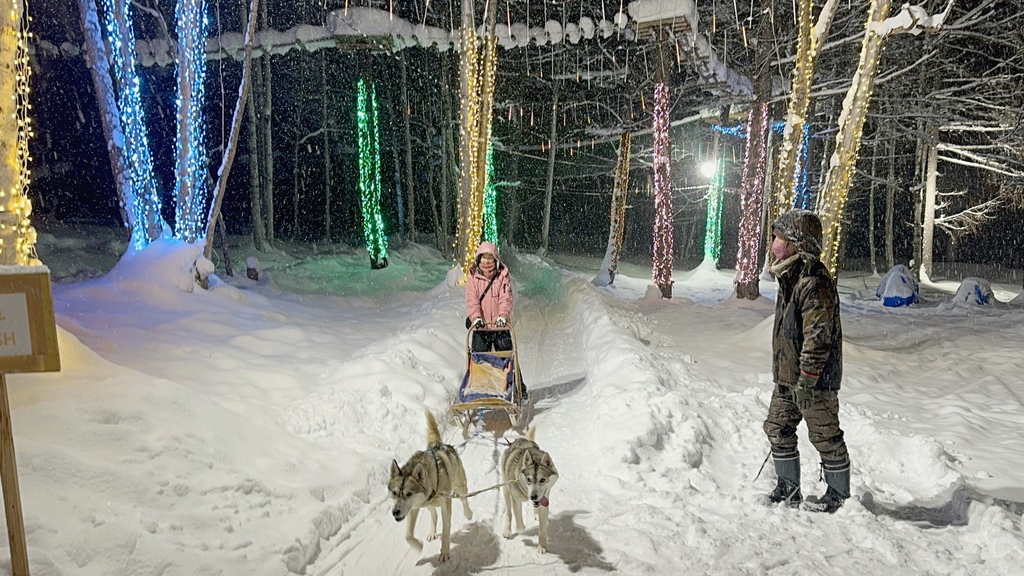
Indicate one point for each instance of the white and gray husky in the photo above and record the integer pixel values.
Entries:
(527, 475)
(430, 479)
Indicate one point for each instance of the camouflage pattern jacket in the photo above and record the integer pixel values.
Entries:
(807, 335)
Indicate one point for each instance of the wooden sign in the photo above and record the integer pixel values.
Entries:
(28, 331)
(28, 343)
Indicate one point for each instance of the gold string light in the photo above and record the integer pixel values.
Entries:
(475, 132)
(807, 50)
(17, 236)
(832, 200)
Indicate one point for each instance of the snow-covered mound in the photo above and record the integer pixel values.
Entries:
(898, 287)
(974, 291)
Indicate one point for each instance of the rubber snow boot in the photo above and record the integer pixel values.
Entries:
(787, 469)
(837, 477)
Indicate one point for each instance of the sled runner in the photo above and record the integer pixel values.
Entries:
(492, 383)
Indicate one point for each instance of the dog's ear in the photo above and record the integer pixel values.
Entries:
(419, 473)
(395, 470)
(527, 458)
(546, 462)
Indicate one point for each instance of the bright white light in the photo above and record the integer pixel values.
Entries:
(708, 169)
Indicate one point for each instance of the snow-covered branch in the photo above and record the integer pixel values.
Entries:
(912, 20)
(970, 219)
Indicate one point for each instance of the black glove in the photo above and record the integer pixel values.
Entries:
(501, 322)
(803, 392)
(478, 323)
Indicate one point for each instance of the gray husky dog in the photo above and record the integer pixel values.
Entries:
(527, 475)
(430, 479)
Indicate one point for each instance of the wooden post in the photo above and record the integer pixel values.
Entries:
(9, 481)
(28, 343)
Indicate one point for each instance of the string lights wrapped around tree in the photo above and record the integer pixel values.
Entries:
(803, 196)
(619, 200)
(368, 127)
(617, 214)
(807, 49)
(479, 70)
(490, 201)
(713, 227)
(832, 200)
(17, 236)
(663, 241)
(190, 170)
(751, 194)
(147, 223)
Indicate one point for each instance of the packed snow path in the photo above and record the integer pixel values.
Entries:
(248, 430)
(657, 457)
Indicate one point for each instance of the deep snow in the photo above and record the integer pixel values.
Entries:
(248, 429)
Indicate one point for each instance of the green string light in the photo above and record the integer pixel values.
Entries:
(490, 200)
(369, 174)
(713, 228)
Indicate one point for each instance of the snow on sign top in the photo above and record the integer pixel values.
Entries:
(12, 270)
(654, 10)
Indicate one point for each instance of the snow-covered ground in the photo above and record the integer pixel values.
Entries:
(248, 429)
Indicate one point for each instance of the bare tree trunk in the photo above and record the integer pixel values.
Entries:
(327, 153)
(110, 117)
(446, 161)
(871, 207)
(434, 214)
(931, 170)
(890, 209)
(268, 139)
(549, 183)
(409, 194)
(232, 146)
(919, 155)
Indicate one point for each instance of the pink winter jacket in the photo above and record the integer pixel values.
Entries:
(498, 300)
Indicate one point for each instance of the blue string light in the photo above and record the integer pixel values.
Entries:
(803, 196)
(190, 161)
(145, 201)
(740, 130)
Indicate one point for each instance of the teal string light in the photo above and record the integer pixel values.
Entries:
(147, 222)
(190, 168)
(490, 200)
(713, 228)
(369, 173)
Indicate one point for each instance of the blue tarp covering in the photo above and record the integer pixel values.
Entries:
(898, 287)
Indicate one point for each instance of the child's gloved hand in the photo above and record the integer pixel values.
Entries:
(501, 322)
(478, 323)
(803, 392)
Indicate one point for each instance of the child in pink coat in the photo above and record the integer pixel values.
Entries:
(489, 301)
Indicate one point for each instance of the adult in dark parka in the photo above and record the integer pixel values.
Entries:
(807, 363)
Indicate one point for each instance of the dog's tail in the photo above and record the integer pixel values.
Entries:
(531, 433)
(433, 434)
